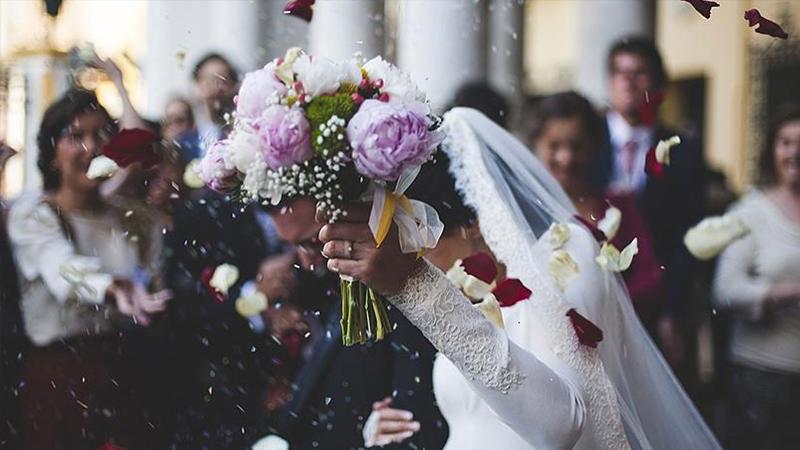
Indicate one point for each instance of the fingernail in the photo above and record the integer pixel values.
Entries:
(408, 416)
(415, 426)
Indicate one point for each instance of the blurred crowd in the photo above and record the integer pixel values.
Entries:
(111, 335)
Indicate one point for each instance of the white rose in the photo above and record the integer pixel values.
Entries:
(711, 236)
(562, 268)
(613, 260)
(663, 148)
(101, 167)
(609, 225)
(251, 305)
(558, 235)
(191, 177)
(491, 309)
(271, 442)
(225, 275)
(399, 85)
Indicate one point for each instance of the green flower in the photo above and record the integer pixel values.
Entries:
(328, 115)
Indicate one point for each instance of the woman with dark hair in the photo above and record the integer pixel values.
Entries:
(565, 132)
(82, 272)
(758, 278)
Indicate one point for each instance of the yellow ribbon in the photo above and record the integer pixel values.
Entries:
(387, 214)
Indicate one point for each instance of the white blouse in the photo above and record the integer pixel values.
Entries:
(745, 272)
(64, 283)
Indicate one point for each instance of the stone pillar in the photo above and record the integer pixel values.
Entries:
(441, 43)
(505, 47)
(341, 28)
(601, 22)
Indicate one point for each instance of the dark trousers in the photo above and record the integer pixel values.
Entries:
(764, 413)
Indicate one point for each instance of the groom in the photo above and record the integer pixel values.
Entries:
(337, 386)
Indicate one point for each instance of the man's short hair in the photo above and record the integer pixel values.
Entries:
(646, 49)
(213, 56)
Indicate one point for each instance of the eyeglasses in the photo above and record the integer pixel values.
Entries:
(77, 136)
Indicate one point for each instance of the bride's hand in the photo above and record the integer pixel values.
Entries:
(388, 425)
(351, 250)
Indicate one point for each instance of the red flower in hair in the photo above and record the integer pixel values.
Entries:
(597, 233)
(765, 26)
(131, 146)
(588, 333)
(510, 291)
(703, 6)
(651, 165)
(205, 278)
(300, 8)
(481, 266)
(648, 112)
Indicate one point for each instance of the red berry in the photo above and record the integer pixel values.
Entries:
(357, 98)
(384, 97)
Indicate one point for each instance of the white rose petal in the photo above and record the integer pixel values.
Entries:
(271, 442)
(457, 275)
(711, 236)
(559, 235)
(225, 275)
(475, 288)
(613, 260)
(663, 148)
(562, 268)
(191, 177)
(609, 225)
(284, 70)
(491, 309)
(101, 167)
(251, 305)
(242, 149)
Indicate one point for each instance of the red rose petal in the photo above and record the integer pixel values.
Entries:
(765, 26)
(110, 446)
(480, 266)
(133, 145)
(651, 165)
(588, 333)
(205, 278)
(300, 8)
(648, 112)
(510, 291)
(596, 232)
(703, 6)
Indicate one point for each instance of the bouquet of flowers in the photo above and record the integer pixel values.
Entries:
(336, 132)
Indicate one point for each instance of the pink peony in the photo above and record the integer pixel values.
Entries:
(254, 94)
(284, 135)
(390, 138)
(213, 170)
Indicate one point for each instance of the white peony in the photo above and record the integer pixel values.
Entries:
(225, 275)
(559, 235)
(613, 260)
(101, 167)
(711, 236)
(609, 225)
(399, 85)
(321, 76)
(562, 268)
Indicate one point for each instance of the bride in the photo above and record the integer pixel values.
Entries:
(531, 384)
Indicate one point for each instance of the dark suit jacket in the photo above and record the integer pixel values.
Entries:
(670, 206)
(334, 392)
(218, 364)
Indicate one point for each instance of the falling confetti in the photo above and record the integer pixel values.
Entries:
(703, 6)
(765, 26)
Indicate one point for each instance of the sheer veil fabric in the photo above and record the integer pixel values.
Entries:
(626, 379)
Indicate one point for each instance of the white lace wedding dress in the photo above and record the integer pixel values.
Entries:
(532, 384)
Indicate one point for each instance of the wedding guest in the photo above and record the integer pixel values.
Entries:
(178, 119)
(564, 132)
(758, 279)
(669, 205)
(337, 385)
(80, 282)
(216, 81)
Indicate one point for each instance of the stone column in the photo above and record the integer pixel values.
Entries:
(505, 47)
(441, 43)
(341, 28)
(601, 22)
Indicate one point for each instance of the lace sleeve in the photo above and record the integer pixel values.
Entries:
(539, 403)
